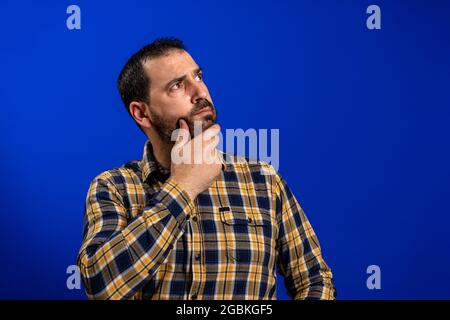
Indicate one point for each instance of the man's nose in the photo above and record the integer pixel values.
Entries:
(199, 92)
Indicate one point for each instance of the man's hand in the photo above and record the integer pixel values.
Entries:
(195, 162)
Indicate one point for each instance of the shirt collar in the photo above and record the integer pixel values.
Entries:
(149, 165)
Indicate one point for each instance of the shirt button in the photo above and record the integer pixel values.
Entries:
(249, 220)
(194, 218)
(197, 256)
(194, 296)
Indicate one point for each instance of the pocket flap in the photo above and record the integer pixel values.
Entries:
(241, 217)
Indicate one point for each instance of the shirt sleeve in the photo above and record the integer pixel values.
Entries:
(119, 255)
(306, 275)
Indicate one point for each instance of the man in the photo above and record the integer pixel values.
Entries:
(164, 229)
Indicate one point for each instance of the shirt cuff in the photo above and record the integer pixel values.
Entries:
(176, 200)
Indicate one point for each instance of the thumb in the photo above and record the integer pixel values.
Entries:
(183, 124)
(182, 132)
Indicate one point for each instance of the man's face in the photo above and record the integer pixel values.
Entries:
(177, 91)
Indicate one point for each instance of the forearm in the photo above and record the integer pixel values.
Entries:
(318, 286)
(117, 260)
(300, 260)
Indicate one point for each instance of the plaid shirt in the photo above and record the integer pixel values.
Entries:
(145, 239)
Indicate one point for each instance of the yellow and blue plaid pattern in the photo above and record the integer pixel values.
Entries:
(145, 239)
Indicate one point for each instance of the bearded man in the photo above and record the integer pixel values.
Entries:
(156, 228)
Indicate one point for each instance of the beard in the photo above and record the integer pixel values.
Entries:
(164, 127)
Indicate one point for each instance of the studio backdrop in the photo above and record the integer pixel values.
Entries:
(358, 91)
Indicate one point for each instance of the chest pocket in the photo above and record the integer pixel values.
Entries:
(250, 237)
(241, 217)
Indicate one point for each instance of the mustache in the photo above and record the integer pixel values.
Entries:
(199, 106)
(202, 104)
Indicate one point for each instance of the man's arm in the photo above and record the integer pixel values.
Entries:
(118, 256)
(306, 275)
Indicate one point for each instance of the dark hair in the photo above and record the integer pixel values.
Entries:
(133, 82)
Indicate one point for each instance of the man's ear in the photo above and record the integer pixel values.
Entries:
(140, 113)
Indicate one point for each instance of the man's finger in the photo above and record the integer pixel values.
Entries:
(211, 132)
(183, 124)
(182, 133)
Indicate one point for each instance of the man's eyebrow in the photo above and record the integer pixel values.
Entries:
(181, 78)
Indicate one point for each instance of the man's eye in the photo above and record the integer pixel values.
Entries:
(199, 77)
(177, 86)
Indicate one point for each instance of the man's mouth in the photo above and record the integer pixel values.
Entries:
(204, 111)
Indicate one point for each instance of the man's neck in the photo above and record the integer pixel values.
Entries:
(162, 154)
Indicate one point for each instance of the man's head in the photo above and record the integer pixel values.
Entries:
(161, 84)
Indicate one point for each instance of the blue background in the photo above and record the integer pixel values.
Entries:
(363, 118)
